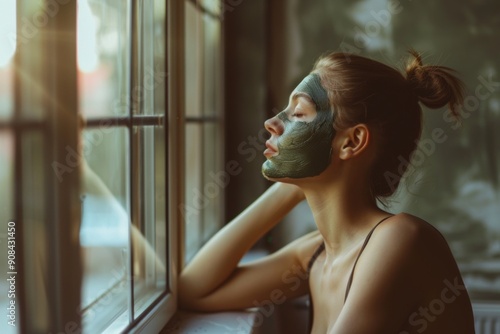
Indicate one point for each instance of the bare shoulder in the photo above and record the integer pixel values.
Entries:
(411, 234)
(405, 223)
(406, 241)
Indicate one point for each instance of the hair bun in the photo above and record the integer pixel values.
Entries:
(435, 86)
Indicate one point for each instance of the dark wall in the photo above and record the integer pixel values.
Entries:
(245, 100)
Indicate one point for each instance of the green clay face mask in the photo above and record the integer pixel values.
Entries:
(304, 148)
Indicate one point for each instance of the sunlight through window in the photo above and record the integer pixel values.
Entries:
(8, 38)
(87, 24)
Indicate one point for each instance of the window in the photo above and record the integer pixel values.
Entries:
(90, 127)
(205, 177)
(122, 97)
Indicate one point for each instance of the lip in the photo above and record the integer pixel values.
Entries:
(271, 150)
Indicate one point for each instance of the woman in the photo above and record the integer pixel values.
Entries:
(342, 143)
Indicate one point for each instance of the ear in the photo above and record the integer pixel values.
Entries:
(355, 140)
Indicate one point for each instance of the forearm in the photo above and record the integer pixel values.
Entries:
(220, 256)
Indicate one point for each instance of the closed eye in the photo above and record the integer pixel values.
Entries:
(301, 108)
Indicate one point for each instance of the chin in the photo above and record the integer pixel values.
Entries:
(270, 178)
(296, 181)
(280, 179)
(274, 179)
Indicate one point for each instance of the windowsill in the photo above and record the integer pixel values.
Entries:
(292, 316)
(241, 322)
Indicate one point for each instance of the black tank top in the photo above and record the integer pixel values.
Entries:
(320, 250)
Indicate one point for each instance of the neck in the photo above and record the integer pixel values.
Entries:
(343, 211)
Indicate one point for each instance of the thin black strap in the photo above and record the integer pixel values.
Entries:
(361, 251)
(315, 255)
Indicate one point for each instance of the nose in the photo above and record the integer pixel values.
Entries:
(274, 125)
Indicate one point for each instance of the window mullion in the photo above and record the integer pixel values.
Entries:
(132, 168)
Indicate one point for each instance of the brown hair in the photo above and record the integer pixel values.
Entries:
(362, 90)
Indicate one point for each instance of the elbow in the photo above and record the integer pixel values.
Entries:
(187, 302)
(193, 304)
(187, 298)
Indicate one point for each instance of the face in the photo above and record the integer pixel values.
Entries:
(301, 135)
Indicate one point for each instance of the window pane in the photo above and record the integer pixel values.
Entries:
(32, 77)
(152, 75)
(103, 57)
(104, 234)
(7, 32)
(160, 198)
(213, 6)
(194, 60)
(8, 42)
(6, 215)
(7, 50)
(215, 179)
(211, 67)
(6, 91)
(159, 42)
(195, 201)
(149, 268)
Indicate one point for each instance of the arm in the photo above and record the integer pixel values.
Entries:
(213, 280)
